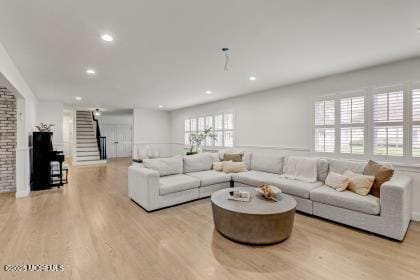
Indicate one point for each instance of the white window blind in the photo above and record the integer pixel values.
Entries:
(415, 123)
(209, 123)
(352, 118)
(388, 117)
(325, 126)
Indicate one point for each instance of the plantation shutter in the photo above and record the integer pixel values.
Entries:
(325, 126)
(388, 117)
(416, 123)
(352, 118)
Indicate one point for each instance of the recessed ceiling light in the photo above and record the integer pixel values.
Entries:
(252, 78)
(107, 38)
(78, 98)
(209, 92)
(90, 71)
(161, 106)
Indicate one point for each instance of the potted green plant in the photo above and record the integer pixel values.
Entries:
(196, 139)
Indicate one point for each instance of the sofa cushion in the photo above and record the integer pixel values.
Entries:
(232, 157)
(267, 163)
(340, 166)
(366, 204)
(359, 183)
(322, 169)
(177, 183)
(198, 162)
(294, 187)
(300, 168)
(165, 166)
(234, 167)
(254, 178)
(337, 181)
(246, 158)
(210, 177)
(382, 174)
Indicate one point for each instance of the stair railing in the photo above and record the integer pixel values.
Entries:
(101, 140)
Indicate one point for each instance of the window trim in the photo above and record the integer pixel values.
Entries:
(403, 123)
(345, 95)
(324, 98)
(213, 114)
(407, 158)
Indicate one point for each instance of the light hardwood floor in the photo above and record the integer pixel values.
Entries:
(97, 232)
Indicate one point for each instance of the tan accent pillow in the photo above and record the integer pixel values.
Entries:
(234, 167)
(232, 157)
(382, 174)
(359, 183)
(218, 165)
(337, 181)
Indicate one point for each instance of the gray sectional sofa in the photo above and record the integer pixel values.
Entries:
(194, 178)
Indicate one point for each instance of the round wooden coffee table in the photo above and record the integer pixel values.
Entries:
(259, 221)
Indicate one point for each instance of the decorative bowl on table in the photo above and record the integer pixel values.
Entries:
(268, 191)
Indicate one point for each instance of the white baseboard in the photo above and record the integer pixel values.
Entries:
(20, 194)
(415, 216)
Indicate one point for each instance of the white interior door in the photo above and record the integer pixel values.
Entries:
(124, 140)
(119, 140)
(109, 131)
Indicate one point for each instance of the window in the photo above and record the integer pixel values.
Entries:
(416, 123)
(388, 117)
(352, 118)
(325, 126)
(221, 124)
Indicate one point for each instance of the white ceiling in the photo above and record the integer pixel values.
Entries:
(168, 52)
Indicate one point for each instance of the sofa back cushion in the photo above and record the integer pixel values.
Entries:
(267, 163)
(323, 169)
(198, 162)
(340, 166)
(165, 166)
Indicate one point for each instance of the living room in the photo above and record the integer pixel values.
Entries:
(210, 140)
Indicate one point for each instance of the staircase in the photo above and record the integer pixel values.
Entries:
(86, 151)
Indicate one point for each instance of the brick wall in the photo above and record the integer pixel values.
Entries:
(7, 142)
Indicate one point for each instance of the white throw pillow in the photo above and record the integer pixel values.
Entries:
(301, 168)
(359, 183)
(337, 181)
(165, 166)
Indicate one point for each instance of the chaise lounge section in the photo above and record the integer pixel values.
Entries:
(389, 215)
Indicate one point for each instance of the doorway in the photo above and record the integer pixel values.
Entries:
(119, 139)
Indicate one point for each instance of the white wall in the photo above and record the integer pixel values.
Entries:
(26, 111)
(50, 112)
(151, 129)
(116, 119)
(68, 135)
(281, 119)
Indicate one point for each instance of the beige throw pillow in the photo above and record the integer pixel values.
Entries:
(232, 157)
(234, 167)
(337, 181)
(218, 166)
(360, 184)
